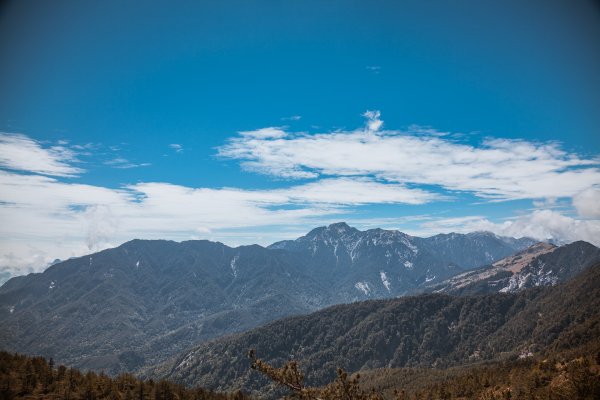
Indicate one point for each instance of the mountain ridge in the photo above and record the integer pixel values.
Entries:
(394, 262)
(144, 301)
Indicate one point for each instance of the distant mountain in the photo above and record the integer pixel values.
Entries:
(474, 249)
(542, 264)
(136, 305)
(145, 300)
(384, 263)
(4, 276)
(424, 331)
(553, 268)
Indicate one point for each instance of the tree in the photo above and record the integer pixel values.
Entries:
(291, 377)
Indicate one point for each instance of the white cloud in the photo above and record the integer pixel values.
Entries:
(102, 225)
(540, 224)
(18, 152)
(264, 133)
(122, 163)
(587, 203)
(292, 118)
(467, 223)
(358, 191)
(374, 123)
(177, 147)
(546, 203)
(497, 169)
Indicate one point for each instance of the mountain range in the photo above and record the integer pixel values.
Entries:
(377, 263)
(137, 305)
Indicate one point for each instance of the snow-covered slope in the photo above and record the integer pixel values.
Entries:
(542, 264)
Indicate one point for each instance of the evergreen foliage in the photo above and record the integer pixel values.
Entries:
(23, 377)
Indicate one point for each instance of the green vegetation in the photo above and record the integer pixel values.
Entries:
(23, 377)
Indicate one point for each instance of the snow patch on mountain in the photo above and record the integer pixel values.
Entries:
(364, 287)
(384, 280)
(411, 246)
(233, 266)
(537, 277)
(187, 361)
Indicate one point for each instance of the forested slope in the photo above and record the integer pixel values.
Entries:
(423, 331)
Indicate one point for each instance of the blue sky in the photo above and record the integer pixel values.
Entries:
(252, 121)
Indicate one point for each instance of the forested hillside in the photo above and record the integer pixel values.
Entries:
(571, 374)
(147, 300)
(23, 377)
(425, 331)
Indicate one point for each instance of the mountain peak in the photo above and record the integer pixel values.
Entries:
(481, 233)
(337, 228)
(341, 227)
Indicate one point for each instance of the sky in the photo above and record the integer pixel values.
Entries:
(255, 121)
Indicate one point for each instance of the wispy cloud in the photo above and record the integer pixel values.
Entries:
(496, 168)
(177, 147)
(357, 191)
(376, 69)
(264, 133)
(21, 153)
(123, 163)
(292, 118)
